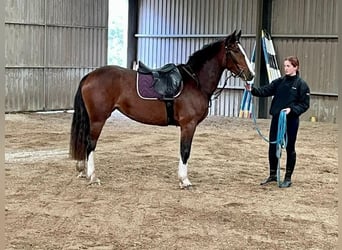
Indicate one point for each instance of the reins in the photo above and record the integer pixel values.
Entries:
(218, 92)
(193, 75)
(190, 72)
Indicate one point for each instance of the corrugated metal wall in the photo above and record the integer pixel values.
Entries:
(171, 30)
(49, 46)
(308, 29)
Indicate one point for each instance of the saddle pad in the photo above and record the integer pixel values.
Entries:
(145, 87)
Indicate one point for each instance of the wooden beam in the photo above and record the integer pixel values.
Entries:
(132, 41)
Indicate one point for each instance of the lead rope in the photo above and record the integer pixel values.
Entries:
(281, 141)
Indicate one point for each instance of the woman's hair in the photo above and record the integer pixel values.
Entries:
(294, 61)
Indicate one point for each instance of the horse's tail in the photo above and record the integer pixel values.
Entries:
(80, 127)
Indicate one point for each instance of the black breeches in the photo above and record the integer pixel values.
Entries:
(292, 125)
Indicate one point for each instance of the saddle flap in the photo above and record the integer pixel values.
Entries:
(166, 80)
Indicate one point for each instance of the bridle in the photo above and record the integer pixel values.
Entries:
(235, 61)
(232, 74)
(229, 53)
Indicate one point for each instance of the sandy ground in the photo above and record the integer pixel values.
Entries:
(139, 204)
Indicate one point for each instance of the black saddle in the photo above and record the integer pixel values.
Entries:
(166, 80)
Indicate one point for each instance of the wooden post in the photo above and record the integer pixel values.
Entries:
(264, 8)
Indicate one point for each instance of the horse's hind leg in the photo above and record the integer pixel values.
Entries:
(95, 130)
(81, 169)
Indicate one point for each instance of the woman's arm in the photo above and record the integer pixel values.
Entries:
(303, 102)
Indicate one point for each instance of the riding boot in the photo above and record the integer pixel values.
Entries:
(271, 178)
(290, 164)
(273, 161)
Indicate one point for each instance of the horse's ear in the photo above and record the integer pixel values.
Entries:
(238, 35)
(231, 38)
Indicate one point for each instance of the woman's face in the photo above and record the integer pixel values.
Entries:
(289, 69)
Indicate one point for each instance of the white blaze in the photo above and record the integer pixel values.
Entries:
(250, 67)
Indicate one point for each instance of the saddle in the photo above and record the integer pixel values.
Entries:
(166, 80)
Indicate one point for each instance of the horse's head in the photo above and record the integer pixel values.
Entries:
(236, 59)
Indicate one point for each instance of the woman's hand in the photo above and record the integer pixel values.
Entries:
(248, 87)
(287, 110)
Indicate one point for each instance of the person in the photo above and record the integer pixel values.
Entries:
(291, 94)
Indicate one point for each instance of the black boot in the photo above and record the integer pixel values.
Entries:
(271, 178)
(273, 162)
(290, 164)
(286, 183)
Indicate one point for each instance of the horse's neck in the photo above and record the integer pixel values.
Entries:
(209, 76)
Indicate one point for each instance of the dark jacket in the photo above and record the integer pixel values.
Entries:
(288, 92)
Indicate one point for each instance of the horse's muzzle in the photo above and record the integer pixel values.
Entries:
(248, 76)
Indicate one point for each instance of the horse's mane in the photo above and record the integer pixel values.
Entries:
(208, 51)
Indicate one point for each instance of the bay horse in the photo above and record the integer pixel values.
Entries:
(110, 88)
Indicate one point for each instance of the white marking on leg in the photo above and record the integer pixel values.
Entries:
(91, 170)
(183, 174)
(90, 165)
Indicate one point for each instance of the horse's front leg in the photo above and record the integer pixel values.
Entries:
(187, 134)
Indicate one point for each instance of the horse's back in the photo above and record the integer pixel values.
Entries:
(102, 87)
(110, 78)
(113, 72)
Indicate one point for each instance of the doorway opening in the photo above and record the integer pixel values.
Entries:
(117, 32)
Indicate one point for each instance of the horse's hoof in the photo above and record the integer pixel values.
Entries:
(97, 182)
(81, 175)
(94, 181)
(187, 187)
(185, 184)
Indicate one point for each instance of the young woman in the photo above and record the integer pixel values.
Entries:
(292, 95)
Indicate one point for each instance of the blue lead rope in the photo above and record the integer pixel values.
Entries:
(281, 140)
